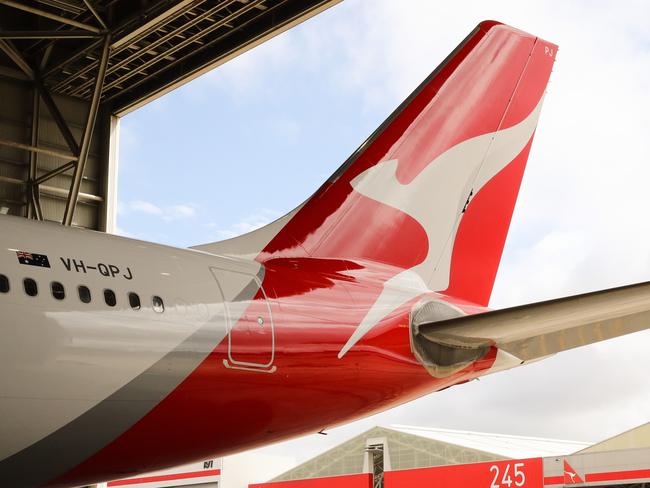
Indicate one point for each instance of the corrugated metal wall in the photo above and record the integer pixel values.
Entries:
(16, 109)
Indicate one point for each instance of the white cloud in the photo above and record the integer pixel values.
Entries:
(145, 207)
(240, 77)
(181, 211)
(258, 219)
(165, 212)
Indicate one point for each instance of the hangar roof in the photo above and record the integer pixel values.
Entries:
(410, 447)
(510, 446)
(637, 438)
(155, 45)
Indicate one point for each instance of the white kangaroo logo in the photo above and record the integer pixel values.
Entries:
(437, 198)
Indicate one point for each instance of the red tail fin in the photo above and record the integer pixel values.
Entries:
(433, 189)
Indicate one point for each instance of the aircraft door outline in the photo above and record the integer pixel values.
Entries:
(249, 320)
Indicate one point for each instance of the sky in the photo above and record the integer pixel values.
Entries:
(249, 141)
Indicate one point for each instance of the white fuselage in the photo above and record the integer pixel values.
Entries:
(61, 357)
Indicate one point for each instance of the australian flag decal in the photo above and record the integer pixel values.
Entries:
(32, 259)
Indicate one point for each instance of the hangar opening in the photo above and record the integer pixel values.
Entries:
(69, 69)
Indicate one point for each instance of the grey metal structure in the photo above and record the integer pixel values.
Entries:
(398, 451)
(627, 468)
(621, 461)
(70, 68)
(36, 163)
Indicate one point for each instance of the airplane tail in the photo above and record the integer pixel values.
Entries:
(433, 189)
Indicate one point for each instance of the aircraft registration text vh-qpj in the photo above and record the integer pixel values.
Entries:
(119, 356)
(107, 270)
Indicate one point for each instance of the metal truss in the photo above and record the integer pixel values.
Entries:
(119, 54)
(78, 152)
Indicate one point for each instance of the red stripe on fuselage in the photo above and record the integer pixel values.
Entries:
(220, 411)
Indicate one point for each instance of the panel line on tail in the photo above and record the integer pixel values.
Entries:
(380, 183)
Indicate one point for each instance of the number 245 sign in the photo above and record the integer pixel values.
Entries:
(515, 476)
(525, 473)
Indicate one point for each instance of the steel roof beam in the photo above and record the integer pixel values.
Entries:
(73, 34)
(49, 15)
(182, 44)
(35, 202)
(55, 172)
(54, 191)
(74, 57)
(92, 10)
(60, 4)
(246, 34)
(45, 94)
(33, 208)
(176, 11)
(138, 53)
(128, 40)
(15, 56)
(31, 148)
(56, 115)
(71, 203)
(46, 57)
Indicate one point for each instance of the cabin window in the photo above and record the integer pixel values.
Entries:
(58, 291)
(4, 284)
(158, 305)
(109, 298)
(84, 293)
(134, 301)
(30, 286)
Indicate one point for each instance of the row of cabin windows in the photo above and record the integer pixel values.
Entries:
(58, 292)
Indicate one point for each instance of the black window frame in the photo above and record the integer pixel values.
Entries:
(60, 292)
(30, 281)
(110, 293)
(158, 308)
(133, 295)
(5, 285)
(82, 297)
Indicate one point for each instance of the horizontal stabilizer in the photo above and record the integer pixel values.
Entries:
(537, 330)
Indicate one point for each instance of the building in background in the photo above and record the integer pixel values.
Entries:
(402, 456)
(401, 447)
(236, 471)
(204, 474)
(413, 457)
